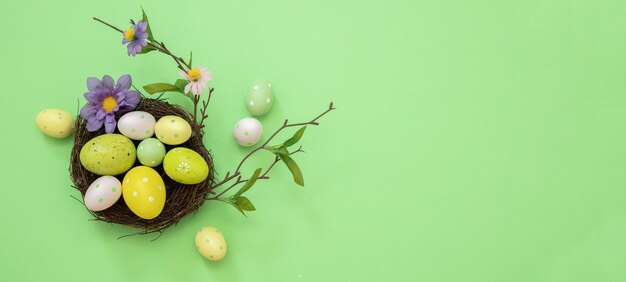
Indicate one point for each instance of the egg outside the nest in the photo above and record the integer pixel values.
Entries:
(211, 244)
(248, 131)
(55, 123)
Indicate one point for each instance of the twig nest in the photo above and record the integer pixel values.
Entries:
(180, 199)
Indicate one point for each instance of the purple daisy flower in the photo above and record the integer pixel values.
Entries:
(105, 100)
(136, 36)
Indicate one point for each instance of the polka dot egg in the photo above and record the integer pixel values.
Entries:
(103, 193)
(248, 131)
(260, 97)
(143, 191)
(185, 166)
(172, 130)
(136, 125)
(55, 123)
(210, 243)
(150, 152)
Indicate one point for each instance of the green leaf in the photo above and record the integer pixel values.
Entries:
(161, 87)
(244, 204)
(249, 183)
(191, 59)
(146, 49)
(181, 83)
(295, 138)
(145, 19)
(240, 203)
(295, 170)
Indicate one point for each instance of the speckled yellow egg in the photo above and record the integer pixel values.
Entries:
(108, 154)
(210, 243)
(172, 130)
(143, 191)
(185, 166)
(55, 123)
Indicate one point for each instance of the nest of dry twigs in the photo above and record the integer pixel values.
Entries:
(180, 200)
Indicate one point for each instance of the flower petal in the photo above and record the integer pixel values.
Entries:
(123, 83)
(93, 83)
(187, 87)
(132, 98)
(100, 114)
(108, 82)
(92, 97)
(94, 124)
(88, 111)
(109, 123)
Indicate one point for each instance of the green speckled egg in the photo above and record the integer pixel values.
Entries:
(185, 166)
(260, 97)
(108, 154)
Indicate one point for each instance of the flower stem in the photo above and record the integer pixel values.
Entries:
(108, 24)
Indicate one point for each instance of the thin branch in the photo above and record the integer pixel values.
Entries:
(285, 125)
(109, 25)
(262, 176)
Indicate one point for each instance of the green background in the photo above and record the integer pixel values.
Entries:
(473, 141)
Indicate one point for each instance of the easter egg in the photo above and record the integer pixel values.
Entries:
(143, 191)
(103, 193)
(260, 97)
(210, 243)
(108, 154)
(150, 152)
(172, 130)
(185, 166)
(136, 125)
(248, 131)
(55, 123)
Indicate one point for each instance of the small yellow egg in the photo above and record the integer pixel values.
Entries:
(210, 243)
(172, 130)
(144, 192)
(55, 123)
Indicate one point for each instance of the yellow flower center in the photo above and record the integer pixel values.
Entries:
(108, 104)
(129, 34)
(194, 74)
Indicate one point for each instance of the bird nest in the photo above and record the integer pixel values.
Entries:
(181, 199)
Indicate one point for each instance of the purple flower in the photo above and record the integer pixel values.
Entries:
(136, 36)
(105, 100)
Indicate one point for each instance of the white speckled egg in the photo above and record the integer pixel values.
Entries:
(103, 193)
(172, 130)
(55, 123)
(137, 125)
(210, 243)
(248, 131)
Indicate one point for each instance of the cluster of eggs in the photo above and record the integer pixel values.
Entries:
(259, 101)
(142, 188)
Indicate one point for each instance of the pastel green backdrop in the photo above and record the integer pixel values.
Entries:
(473, 141)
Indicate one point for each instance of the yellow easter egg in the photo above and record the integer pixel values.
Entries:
(185, 166)
(55, 123)
(210, 243)
(144, 192)
(108, 154)
(172, 130)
